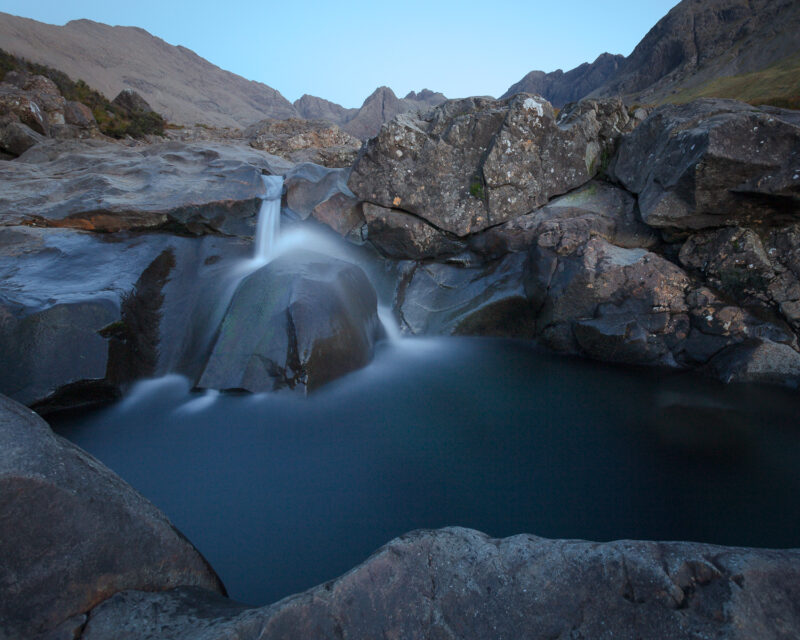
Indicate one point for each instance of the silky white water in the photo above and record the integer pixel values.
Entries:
(269, 218)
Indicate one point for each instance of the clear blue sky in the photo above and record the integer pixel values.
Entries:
(343, 50)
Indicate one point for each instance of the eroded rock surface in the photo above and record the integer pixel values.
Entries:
(107, 187)
(72, 533)
(459, 583)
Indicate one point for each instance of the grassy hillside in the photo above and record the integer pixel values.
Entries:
(113, 120)
(777, 85)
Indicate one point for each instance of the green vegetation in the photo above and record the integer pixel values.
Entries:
(777, 85)
(476, 188)
(112, 119)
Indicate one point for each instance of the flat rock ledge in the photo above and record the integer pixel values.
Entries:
(459, 583)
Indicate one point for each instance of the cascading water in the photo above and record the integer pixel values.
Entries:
(269, 218)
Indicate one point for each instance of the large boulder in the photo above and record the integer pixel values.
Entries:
(107, 187)
(15, 137)
(608, 302)
(302, 320)
(299, 140)
(460, 584)
(322, 193)
(72, 533)
(75, 332)
(470, 164)
(711, 163)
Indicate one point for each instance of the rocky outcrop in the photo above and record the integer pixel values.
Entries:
(131, 101)
(302, 320)
(105, 187)
(711, 163)
(423, 584)
(72, 533)
(32, 107)
(560, 88)
(297, 140)
(474, 163)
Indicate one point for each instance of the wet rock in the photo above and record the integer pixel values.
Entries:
(400, 235)
(490, 300)
(343, 213)
(75, 332)
(106, 187)
(72, 533)
(300, 321)
(470, 164)
(711, 163)
(457, 583)
(298, 140)
(761, 361)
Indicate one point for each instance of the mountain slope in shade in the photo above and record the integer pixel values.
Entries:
(560, 87)
(701, 40)
(686, 54)
(174, 80)
(381, 106)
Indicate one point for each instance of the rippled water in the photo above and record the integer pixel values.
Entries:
(281, 493)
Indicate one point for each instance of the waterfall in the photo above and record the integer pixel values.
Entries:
(269, 218)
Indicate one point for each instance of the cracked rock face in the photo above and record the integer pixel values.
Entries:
(711, 163)
(473, 163)
(458, 583)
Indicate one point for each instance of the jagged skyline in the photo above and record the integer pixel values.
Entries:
(343, 52)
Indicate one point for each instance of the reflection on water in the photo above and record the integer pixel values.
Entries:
(281, 493)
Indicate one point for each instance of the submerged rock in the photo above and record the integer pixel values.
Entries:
(458, 583)
(72, 533)
(470, 164)
(302, 320)
(713, 162)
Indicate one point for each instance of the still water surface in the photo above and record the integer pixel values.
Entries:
(281, 493)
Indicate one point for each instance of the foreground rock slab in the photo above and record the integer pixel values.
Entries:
(107, 187)
(458, 583)
(72, 533)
